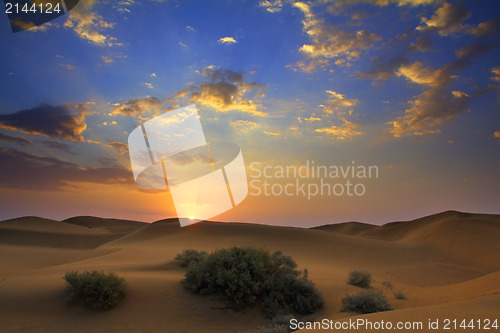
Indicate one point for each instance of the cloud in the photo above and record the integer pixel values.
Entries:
(382, 3)
(227, 40)
(120, 147)
(485, 28)
(496, 74)
(67, 66)
(337, 102)
(447, 20)
(244, 125)
(138, 106)
(149, 85)
(420, 74)
(271, 6)
(225, 90)
(428, 111)
(15, 139)
(310, 65)
(417, 72)
(107, 59)
(88, 25)
(308, 120)
(347, 130)
(65, 122)
(25, 171)
(383, 70)
(29, 25)
(422, 44)
(341, 107)
(278, 133)
(57, 145)
(329, 41)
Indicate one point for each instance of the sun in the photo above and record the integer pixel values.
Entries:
(191, 217)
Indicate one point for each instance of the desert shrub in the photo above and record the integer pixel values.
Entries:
(243, 276)
(271, 329)
(361, 279)
(95, 289)
(367, 301)
(399, 294)
(189, 256)
(279, 324)
(388, 284)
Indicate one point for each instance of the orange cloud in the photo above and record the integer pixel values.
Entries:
(428, 112)
(227, 40)
(225, 90)
(448, 19)
(347, 130)
(88, 25)
(337, 102)
(420, 74)
(329, 41)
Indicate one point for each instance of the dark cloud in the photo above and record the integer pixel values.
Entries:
(428, 111)
(467, 54)
(224, 90)
(21, 170)
(422, 44)
(417, 72)
(448, 19)
(383, 70)
(485, 29)
(57, 145)
(138, 106)
(15, 139)
(120, 147)
(65, 122)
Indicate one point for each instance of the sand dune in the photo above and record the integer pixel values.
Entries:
(447, 265)
(348, 228)
(468, 239)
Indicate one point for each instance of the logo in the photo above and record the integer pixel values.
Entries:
(27, 14)
(170, 152)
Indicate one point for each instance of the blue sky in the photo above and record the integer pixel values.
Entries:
(411, 86)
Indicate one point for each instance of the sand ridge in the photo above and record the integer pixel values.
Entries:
(418, 256)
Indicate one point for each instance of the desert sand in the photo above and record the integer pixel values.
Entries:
(448, 266)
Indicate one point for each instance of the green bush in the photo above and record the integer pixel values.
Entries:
(367, 301)
(361, 279)
(189, 256)
(95, 289)
(243, 276)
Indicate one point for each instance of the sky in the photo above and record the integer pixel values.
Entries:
(409, 87)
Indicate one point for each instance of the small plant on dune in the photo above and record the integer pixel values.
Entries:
(95, 290)
(399, 295)
(188, 256)
(367, 301)
(244, 276)
(388, 284)
(361, 279)
(279, 324)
